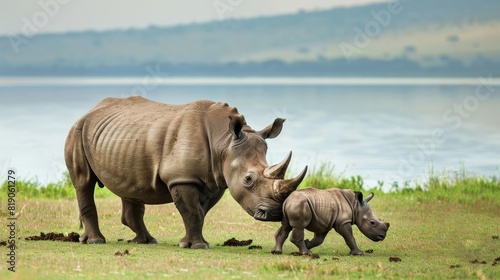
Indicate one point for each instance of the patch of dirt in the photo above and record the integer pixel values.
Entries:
(335, 259)
(369, 251)
(120, 239)
(455, 266)
(72, 237)
(394, 259)
(234, 242)
(496, 261)
(476, 261)
(118, 253)
(495, 237)
(255, 247)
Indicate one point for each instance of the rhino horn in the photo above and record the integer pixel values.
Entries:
(369, 197)
(282, 188)
(278, 171)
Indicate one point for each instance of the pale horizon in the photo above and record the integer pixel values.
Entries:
(60, 16)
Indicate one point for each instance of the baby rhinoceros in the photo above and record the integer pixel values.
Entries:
(321, 210)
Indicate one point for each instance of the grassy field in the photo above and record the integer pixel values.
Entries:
(435, 231)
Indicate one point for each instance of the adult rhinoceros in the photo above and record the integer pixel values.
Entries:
(152, 153)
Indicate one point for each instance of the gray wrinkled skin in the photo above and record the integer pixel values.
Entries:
(152, 153)
(321, 210)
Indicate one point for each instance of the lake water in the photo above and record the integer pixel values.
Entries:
(380, 129)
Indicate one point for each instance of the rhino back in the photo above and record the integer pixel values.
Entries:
(137, 147)
(328, 208)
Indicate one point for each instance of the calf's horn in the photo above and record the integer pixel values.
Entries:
(282, 188)
(369, 197)
(278, 171)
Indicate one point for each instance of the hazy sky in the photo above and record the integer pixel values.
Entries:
(70, 15)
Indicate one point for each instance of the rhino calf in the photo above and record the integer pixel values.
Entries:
(321, 210)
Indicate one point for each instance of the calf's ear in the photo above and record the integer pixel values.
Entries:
(272, 130)
(359, 197)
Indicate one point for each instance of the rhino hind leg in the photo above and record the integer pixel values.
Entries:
(316, 241)
(88, 216)
(84, 180)
(133, 217)
(297, 238)
(187, 200)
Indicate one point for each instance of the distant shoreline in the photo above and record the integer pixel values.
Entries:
(6, 81)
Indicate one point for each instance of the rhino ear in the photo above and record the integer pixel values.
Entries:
(235, 125)
(359, 197)
(272, 130)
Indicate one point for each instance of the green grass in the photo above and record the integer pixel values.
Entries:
(445, 221)
(55, 190)
(429, 237)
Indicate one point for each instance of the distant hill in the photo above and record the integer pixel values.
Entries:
(405, 38)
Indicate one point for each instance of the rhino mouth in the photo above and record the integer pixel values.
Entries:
(379, 237)
(268, 215)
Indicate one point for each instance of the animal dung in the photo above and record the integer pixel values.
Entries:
(52, 236)
(476, 261)
(118, 253)
(255, 247)
(314, 256)
(236, 243)
(455, 266)
(369, 251)
(394, 259)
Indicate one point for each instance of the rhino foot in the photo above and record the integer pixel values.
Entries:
(200, 245)
(357, 252)
(149, 240)
(85, 240)
(296, 254)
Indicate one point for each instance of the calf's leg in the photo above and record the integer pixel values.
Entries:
(316, 241)
(346, 232)
(297, 238)
(280, 236)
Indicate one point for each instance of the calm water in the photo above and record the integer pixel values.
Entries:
(389, 130)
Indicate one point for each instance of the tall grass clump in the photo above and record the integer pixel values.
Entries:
(455, 186)
(54, 190)
(323, 176)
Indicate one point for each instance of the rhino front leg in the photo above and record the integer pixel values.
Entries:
(280, 236)
(346, 232)
(297, 238)
(133, 217)
(316, 241)
(187, 201)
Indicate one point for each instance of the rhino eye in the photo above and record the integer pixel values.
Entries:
(372, 222)
(248, 180)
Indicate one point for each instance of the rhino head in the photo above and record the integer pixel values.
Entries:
(260, 189)
(371, 226)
